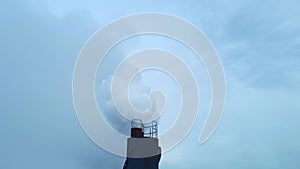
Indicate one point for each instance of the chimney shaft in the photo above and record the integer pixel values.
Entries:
(142, 152)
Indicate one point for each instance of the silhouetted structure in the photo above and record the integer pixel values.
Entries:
(143, 151)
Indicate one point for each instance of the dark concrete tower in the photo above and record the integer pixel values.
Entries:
(143, 151)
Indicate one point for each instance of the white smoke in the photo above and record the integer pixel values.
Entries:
(138, 94)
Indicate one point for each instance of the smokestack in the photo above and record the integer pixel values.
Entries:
(143, 151)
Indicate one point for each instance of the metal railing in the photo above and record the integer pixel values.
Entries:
(151, 130)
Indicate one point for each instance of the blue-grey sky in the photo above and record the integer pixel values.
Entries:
(257, 41)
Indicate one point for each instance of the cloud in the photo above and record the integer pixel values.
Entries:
(262, 42)
(38, 124)
(258, 43)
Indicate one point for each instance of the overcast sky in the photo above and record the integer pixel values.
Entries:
(257, 41)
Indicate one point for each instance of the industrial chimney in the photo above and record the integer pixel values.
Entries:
(143, 151)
